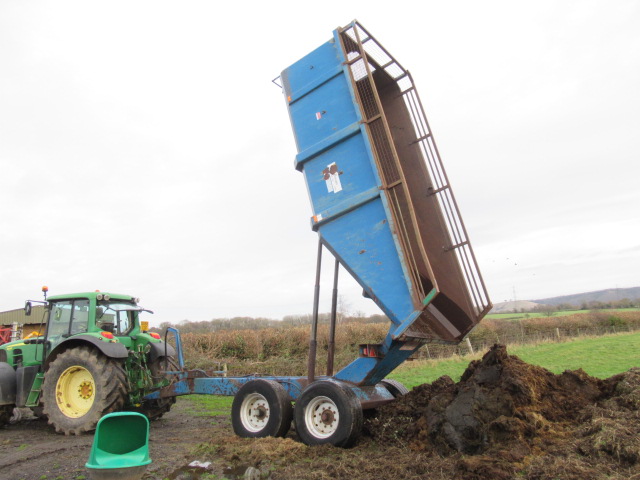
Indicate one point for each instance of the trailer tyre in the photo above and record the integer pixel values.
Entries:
(394, 387)
(261, 408)
(80, 386)
(328, 411)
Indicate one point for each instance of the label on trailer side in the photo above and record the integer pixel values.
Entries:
(332, 178)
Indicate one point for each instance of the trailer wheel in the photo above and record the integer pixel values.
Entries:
(80, 386)
(328, 411)
(154, 409)
(261, 408)
(394, 387)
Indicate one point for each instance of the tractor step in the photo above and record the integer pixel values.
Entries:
(36, 389)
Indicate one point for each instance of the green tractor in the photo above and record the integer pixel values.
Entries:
(94, 358)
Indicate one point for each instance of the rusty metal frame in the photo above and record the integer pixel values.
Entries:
(372, 53)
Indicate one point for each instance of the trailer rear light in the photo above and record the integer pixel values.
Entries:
(155, 335)
(371, 351)
(107, 335)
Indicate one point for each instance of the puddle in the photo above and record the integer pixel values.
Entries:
(189, 472)
(244, 472)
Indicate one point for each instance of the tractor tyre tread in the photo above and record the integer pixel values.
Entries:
(110, 382)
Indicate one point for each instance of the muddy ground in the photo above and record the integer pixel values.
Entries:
(31, 450)
(505, 419)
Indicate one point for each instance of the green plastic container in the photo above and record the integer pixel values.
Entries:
(120, 449)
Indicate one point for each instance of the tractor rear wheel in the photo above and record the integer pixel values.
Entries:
(80, 386)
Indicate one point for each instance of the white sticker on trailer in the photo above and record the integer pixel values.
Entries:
(331, 176)
(335, 182)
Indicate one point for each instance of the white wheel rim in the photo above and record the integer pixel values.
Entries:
(321, 417)
(254, 412)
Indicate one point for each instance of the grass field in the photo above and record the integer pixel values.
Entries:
(564, 313)
(598, 356)
(202, 405)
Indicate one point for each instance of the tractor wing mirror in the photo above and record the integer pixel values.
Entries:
(27, 308)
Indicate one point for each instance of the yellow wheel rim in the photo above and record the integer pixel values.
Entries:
(75, 391)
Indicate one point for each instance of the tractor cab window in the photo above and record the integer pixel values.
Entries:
(68, 317)
(116, 318)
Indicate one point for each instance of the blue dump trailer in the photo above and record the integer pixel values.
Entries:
(383, 207)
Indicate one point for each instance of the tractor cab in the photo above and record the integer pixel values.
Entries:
(96, 316)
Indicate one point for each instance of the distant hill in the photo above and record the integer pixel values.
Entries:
(577, 300)
(603, 296)
(517, 306)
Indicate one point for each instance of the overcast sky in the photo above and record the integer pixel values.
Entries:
(144, 149)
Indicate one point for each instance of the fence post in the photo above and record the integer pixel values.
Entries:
(427, 349)
(469, 346)
(558, 333)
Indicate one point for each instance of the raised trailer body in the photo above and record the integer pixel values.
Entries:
(381, 200)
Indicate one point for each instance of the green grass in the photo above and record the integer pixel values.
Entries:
(598, 356)
(518, 316)
(564, 313)
(208, 405)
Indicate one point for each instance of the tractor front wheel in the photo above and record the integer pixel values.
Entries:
(80, 386)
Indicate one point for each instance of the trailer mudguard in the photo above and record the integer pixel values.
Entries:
(7, 384)
(158, 350)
